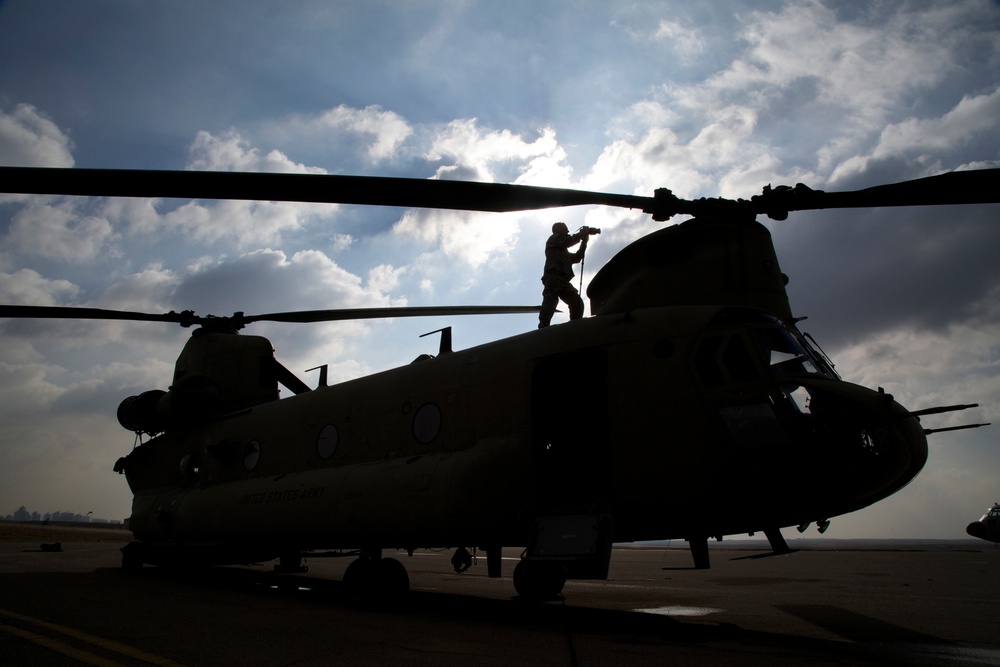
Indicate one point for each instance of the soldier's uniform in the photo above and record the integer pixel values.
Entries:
(558, 274)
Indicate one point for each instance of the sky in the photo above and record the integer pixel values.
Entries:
(707, 99)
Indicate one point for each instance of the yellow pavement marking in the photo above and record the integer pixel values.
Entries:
(78, 654)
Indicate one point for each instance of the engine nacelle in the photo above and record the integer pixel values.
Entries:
(139, 413)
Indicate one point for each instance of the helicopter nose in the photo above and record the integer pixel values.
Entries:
(976, 529)
(874, 445)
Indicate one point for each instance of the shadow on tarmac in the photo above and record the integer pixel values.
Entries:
(616, 630)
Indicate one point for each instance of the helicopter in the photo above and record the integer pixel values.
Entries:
(691, 361)
(988, 526)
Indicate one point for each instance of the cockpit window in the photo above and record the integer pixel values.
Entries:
(784, 353)
(747, 344)
(722, 358)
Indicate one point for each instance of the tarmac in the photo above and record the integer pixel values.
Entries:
(836, 603)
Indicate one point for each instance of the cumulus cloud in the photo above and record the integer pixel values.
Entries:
(467, 152)
(378, 132)
(387, 129)
(79, 230)
(384, 277)
(972, 117)
(55, 228)
(28, 287)
(685, 40)
(266, 281)
(862, 67)
(470, 237)
(245, 223)
(839, 84)
(271, 281)
(231, 152)
(29, 139)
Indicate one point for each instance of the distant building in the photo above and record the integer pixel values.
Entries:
(22, 514)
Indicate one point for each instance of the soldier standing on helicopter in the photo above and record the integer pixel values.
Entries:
(558, 272)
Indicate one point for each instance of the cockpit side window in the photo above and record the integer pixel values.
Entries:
(705, 361)
(784, 353)
(747, 344)
(738, 361)
(721, 358)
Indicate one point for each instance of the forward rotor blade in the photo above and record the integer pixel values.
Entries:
(979, 186)
(962, 187)
(365, 190)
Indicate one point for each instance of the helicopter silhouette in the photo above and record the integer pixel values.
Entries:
(704, 403)
(988, 526)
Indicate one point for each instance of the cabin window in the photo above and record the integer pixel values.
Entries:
(190, 465)
(326, 443)
(427, 423)
(251, 456)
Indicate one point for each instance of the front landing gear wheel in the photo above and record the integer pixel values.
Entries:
(537, 587)
(380, 581)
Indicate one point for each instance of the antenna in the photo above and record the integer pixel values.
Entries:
(322, 374)
(445, 346)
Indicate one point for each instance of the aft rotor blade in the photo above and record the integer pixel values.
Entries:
(237, 321)
(376, 313)
(364, 190)
(70, 312)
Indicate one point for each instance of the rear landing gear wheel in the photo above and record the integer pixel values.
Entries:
(537, 587)
(393, 581)
(376, 581)
(132, 556)
(290, 564)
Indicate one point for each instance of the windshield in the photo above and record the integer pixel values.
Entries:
(751, 346)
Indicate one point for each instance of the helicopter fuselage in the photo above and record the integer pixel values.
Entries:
(675, 422)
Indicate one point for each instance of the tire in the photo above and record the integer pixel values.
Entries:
(537, 587)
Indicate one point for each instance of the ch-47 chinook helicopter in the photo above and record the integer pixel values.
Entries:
(988, 526)
(692, 364)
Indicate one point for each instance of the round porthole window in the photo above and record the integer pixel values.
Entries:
(190, 465)
(251, 455)
(326, 443)
(427, 423)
